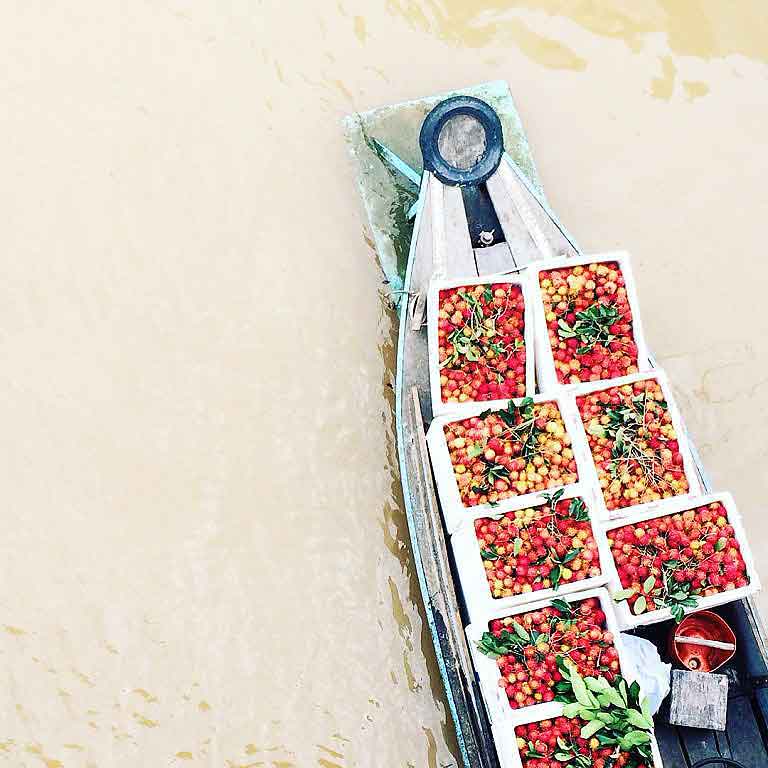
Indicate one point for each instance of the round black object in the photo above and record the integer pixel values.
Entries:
(717, 761)
(461, 141)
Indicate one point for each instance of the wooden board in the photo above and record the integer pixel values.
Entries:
(698, 699)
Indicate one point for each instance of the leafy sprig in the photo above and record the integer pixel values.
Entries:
(626, 427)
(614, 713)
(592, 326)
(668, 592)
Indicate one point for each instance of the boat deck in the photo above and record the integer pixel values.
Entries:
(746, 736)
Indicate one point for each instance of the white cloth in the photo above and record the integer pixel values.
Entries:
(650, 671)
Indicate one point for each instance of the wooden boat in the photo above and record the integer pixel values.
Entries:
(477, 218)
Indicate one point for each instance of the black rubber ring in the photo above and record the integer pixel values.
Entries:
(718, 761)
(430, 134)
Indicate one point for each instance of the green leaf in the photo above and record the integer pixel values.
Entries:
(517, 546)
(490, 553)
(597, 430)
(521, 632)
(634, 739)
(597, 684)
(639, 720)
(623, 594)
(571, 554)
(720, 544)
(623, 690)
(583, 696)
(554, 576)
(678, 612)
(564, 330)
(613, 697)
(475, 450)
(562, 606)
(572, 709)
(553, 498)
(578, 510)
(563, 757)
(591, 728)
(640, 605)
(649, 583)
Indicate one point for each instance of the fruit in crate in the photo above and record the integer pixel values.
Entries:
(558, 743)
(589, 322)
(481, 342)
(604, 724)
(530, 648)
(539, 547)
(520, 449)
(633, 443)
(673, 560)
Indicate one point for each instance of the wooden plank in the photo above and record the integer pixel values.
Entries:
(421, 265)
(561, 242)
(441, 599)
(699, 699)
(669, 746)
(507, 192)
(519, 239)
(761, 702)
(437, 217)
(698, 744)
(459, 257)
(494, 259)
(744, 737)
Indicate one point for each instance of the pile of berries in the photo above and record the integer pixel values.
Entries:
(501, 454)
(539, 743)
(633, 444)
(481, 342)
(589, 322)
(538, 548)
(527, 647)
(671, 560)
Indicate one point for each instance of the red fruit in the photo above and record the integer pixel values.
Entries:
(688, 539)
(569, 292)
(490, 321)
(623, 480)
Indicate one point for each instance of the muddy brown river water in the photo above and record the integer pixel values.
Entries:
(204, 558)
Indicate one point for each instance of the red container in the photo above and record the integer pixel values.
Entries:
(707, 626)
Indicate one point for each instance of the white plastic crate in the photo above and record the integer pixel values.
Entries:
(545, 365)
(689, 467)
(496, 702)
(472, 576)
(506, 742)
(629, 620)
(454, 511)
(433, 305)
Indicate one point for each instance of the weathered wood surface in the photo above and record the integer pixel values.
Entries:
(442, 601)
(698, 700)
